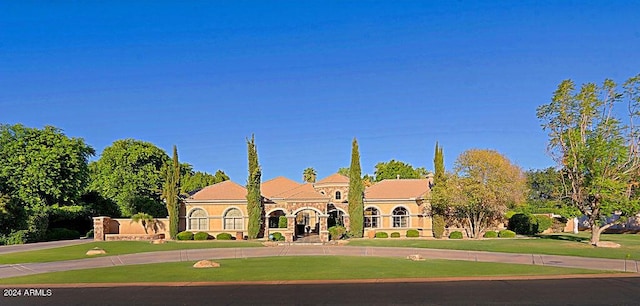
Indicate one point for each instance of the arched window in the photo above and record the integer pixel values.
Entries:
(400, 217)
(371, 217)
(338, 195)
(233, 219)
(198, 220)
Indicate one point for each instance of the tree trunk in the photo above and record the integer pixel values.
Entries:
(595, 233)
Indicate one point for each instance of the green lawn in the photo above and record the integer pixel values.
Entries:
(115, 248)
(292, 268)
(557, 244)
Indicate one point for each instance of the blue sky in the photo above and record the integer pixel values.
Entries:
(307, 76)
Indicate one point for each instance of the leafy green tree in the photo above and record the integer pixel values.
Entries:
(130, 172)
(356, 191)
(192, 181)
(309, 175)
(484, 184)
(39, 168)
(171, 193)
(394, 169)
(597, 152)
(255, 205)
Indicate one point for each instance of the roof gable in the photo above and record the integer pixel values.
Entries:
(303, 192)
(398, 189)
(278, 185)
(227, 190)
(334, 178)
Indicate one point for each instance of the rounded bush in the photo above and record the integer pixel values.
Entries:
(412, 233)
(277, 236)
(455, 235)
(337, 232)
(523, 224)
(506, 234)
(544, 223)
(395, 235)
(201, 236)
(490, 234)
(224, 236)
(186, 235)
(382, 235)
(62, 234)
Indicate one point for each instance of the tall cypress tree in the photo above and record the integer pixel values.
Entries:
(438, 164)
(171, 193)
(356, 191)
(254, 199)
(437, 211)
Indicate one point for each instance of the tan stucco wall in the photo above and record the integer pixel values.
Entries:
(215, 213)
(124, 226)
(416, 218)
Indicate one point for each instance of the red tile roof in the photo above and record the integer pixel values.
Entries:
(276, 186)
(303, 192)
(398, 189)
(334, 178)
(227, 190)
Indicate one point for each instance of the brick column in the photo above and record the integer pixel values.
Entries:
(100, 228)
(324, 233)
(291, 229)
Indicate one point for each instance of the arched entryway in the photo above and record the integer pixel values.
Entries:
(335, 216)
(274, 219)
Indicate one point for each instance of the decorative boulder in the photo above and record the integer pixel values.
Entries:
(206, 264)
(96, 251)
(158, 241)
(607, 244)
(415, 257)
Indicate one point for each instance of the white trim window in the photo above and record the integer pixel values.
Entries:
(400, 217)
(198, 220)
(338, 195)
(233, 219)
(371, 217)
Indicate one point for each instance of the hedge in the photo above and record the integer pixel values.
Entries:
(382, 235)
(201, 236)
(506, 234)
(543, 222)
(490, 234)
(455, 235)
(54, 234)
(224, 236)
(395, 235)
(186, 235)
(412, 233)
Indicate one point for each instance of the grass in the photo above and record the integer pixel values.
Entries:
(556, 244)
(115, 248)
(292, 268)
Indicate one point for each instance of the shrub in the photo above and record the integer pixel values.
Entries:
(395, 235)
(455, 235)
(543, 223)
(277, 236)
(54, 234)
(337, 232)
(523, 224)
(559, 224)
(506, 234)
(186, 235)
(382, 235)
(18, 237)
(89, 234)
(224, 236)
(282, 222)
(412, 233)
(490, 234)
(201, 236)
(438, 226)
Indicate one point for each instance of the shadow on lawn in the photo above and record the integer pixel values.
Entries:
(564, 237)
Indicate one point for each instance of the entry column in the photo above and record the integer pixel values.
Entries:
(324, 233)
(289, 235)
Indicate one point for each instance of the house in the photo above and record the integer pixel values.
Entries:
(309, 208)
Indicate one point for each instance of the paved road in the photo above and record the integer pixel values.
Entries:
(615, 291)
(5, 249)
(295, 250)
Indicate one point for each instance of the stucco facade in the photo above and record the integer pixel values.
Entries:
(310, 209)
